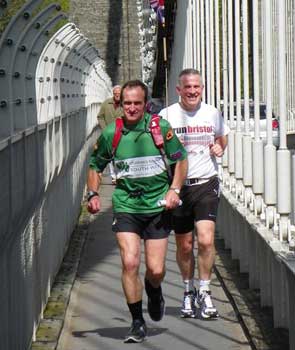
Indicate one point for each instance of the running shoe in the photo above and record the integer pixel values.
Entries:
(136, 333)
(205, 305)
(156, 308)
(188, 304)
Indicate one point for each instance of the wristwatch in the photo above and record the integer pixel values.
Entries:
(176, 190)
(91, 194)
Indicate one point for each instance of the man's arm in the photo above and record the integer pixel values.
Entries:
(172, 198)
(93, 184)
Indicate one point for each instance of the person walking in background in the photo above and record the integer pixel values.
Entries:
(201, 129)
(109, 111)
(142, 180)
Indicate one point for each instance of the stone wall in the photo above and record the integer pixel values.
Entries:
(112, 26)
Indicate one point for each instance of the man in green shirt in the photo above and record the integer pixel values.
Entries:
(110, 108)
(142, 180)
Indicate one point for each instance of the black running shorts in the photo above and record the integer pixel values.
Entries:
(147, 226)
(200, 202)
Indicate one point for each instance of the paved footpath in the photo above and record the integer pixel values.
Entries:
(98, 317)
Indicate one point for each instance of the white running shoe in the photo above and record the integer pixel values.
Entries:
(188, 305)
(205, 304)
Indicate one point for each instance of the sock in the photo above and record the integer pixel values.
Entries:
(189, 285)
(136, 311)
(151, 291)
(204, 285)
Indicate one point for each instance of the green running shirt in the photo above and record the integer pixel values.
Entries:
(142, 177)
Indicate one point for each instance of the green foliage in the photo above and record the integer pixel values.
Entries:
(15, 5)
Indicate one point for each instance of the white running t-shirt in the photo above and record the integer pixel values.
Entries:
(197, 131)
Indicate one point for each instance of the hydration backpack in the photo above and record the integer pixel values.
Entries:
(157, 137)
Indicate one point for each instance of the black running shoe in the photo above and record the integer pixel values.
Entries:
(156, 308)
(136, 333)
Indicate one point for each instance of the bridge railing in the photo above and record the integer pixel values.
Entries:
(52, 81)
(245, 52)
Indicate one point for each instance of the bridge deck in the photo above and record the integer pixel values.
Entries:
(98, 317)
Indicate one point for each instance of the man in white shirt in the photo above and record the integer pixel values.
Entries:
(201, 129)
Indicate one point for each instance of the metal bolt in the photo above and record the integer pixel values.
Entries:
(9, 42)
(18, 101)
(16, 74)
(58, 7)
(30, 100)
(29, 77)
(3, 3)
(23, 48)
(37, 25)
(2, 72)
(26, 15)
(3, 104)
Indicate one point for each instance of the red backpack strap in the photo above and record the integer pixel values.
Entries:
(156, 131)
(117, 134)
(158, 139)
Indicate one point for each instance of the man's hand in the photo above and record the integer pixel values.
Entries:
(216, 150)
(93, 205)
(172, 199)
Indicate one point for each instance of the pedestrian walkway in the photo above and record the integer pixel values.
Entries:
(98, 317)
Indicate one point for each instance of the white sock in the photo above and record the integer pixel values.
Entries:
(204, 285)
(189, 285)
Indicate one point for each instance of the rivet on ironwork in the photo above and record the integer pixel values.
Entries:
(55, 80)
(68, 80)
(3, 3)
(48, 98)
(2, 72)
(16, 74)
(56, 97)
(68, 95)
(62, 79)
(63, 95)
(34, 53)
(58, 63)
(18, 101)
(3, 104)
(9, 42)
(29, 77)
(73, 81)
(62, 44)
(30, 100)
(73, 95)
(22, 48)
(41, 80)
(45, 59)
(57, 41)
(52, 60)
(46, 33)
(76, 68)
(47, 78)
(58, 7)
(66, 64)
(37, 25)
(70, 66)
(68, 48)
(42, 100)
(73, 26)
(26, 15)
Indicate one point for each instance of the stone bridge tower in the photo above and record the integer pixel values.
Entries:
(112, 26)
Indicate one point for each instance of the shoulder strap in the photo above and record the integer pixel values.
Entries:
(159, 141)
(156, 131)
(117, 134)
